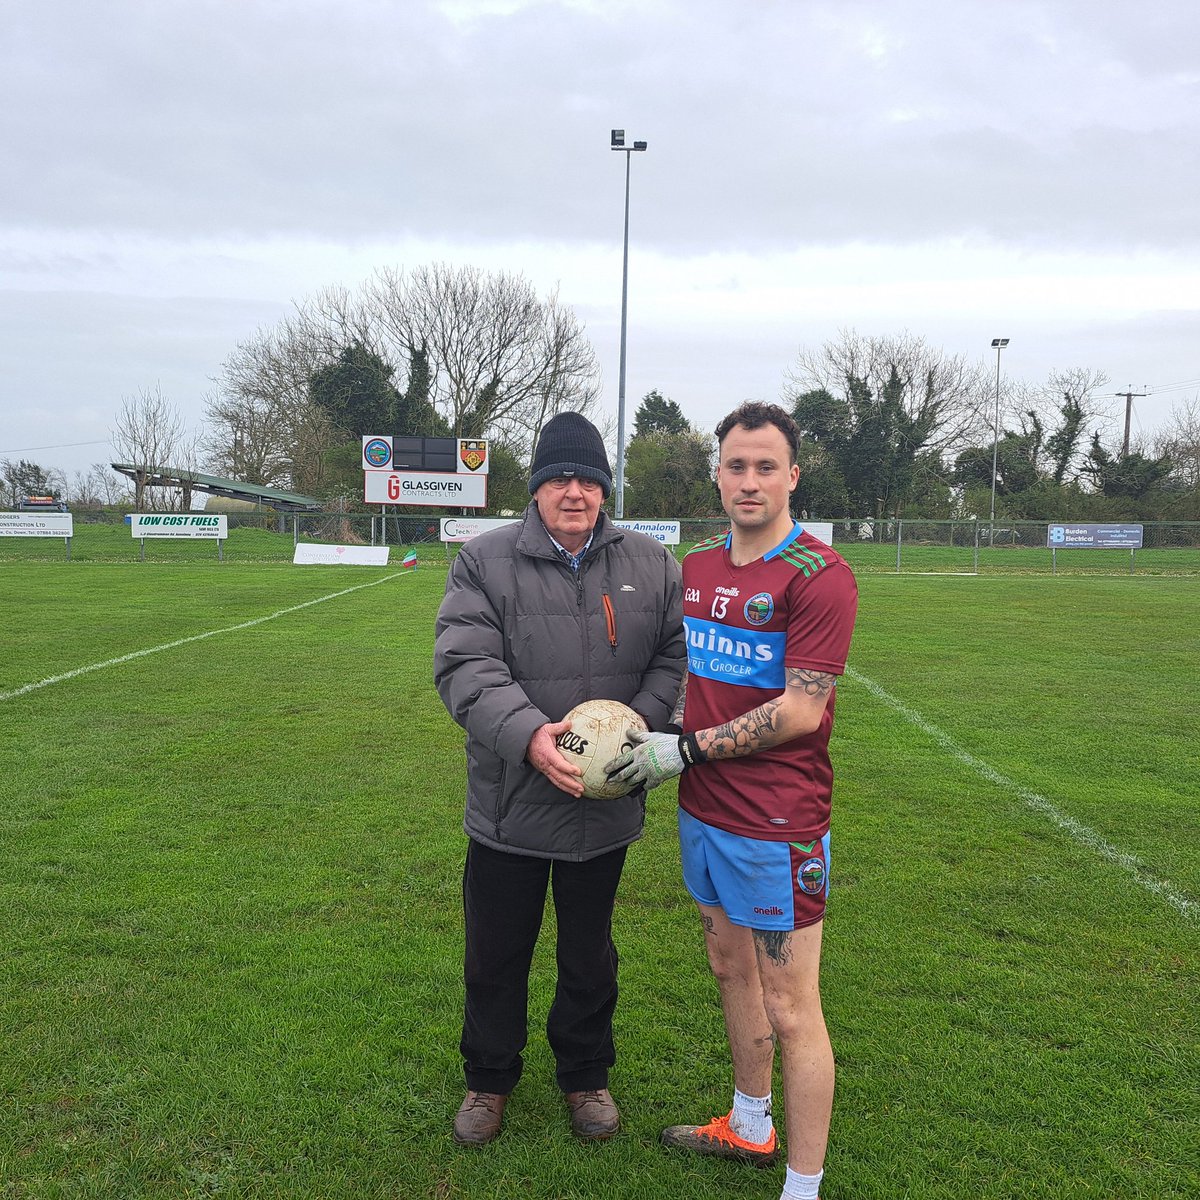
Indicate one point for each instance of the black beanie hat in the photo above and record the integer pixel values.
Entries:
(570, 445)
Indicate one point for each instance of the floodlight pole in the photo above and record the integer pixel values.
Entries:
(618, 143)
(998, 344)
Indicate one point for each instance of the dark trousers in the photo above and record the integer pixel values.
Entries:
(504, 897)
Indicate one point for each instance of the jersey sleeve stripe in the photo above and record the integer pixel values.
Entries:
(808, 561)
(709, 543)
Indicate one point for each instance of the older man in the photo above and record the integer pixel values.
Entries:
(538, 616)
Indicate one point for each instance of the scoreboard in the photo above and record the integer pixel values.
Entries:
(438, 472)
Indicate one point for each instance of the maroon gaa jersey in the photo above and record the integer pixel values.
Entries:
(794, 607)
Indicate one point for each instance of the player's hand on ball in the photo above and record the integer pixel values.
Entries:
(547, 758)
(654, 759)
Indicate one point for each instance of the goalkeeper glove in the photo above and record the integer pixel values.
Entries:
(655, 758)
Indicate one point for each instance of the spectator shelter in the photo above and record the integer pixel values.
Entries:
(194, 481)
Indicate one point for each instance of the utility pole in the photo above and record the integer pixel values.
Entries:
(1128, 414)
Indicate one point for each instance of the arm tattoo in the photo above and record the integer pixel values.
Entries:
(811, 683)
(759, 728)
(743, 734)
(776, 944)
(677, 715)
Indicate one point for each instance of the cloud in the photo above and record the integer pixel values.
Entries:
(769, 124)
(178, 174)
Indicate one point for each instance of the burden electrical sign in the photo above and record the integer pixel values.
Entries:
(1093, 537)
(435, 472)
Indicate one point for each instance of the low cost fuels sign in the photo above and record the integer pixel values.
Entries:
(178, 525)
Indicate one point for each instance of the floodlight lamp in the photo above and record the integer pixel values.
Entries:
(639, 145)
(618, 139)
(999, 343)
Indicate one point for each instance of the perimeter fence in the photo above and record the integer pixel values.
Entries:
(973, 547)
(103, 535)
(952, 547)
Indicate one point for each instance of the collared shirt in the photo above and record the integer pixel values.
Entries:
(572, 560)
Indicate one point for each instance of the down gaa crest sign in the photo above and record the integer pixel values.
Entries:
(473, 454)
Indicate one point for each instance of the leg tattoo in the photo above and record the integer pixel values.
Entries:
(776, 944)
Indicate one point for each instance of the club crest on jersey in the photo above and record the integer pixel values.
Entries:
(759, 608)
(811, 876)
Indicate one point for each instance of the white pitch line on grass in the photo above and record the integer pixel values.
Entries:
(1085, 836)
(196, 637)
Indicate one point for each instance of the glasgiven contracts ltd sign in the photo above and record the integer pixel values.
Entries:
(436, 489)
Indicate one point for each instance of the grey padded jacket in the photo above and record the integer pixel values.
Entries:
(520, 640)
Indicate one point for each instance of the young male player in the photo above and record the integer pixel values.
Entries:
(769, 613)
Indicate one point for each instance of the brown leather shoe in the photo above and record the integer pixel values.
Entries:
(478, 1118)
(594, 1114)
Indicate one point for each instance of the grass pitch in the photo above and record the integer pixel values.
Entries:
(229, 884)
(259, 540)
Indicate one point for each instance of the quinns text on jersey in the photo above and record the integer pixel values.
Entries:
(752, 657)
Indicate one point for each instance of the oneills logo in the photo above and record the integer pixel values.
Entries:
(473, 454)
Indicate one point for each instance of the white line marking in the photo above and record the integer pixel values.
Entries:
(1184, 905)
(199, 637)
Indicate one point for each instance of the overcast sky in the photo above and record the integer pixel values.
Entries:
(177, 174)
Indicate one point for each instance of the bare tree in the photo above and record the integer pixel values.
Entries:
(114, 489)
(1179, 440)
(148, 436)
(943, 394)
(312, 433)
(187, 467)
(1068, 405)
(502, 360)
(569, 376)
(260, 418)
(98, 487)
(1083, 385)
(81, 490)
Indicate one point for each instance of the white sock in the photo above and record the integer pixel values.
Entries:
(751, 1117)
(801, 1187)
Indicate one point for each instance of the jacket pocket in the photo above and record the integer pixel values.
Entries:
(503, 799)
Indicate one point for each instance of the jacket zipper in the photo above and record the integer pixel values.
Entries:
(587, 691)
(610, 619)
(580, 599)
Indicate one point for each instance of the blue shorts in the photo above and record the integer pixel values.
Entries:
(761, 885)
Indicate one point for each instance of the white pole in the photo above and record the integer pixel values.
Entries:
(620, 506)
(999, 343)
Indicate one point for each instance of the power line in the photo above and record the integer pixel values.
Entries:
(60, 446)
(1182, 385)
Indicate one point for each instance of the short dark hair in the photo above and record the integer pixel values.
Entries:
(754, 414)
